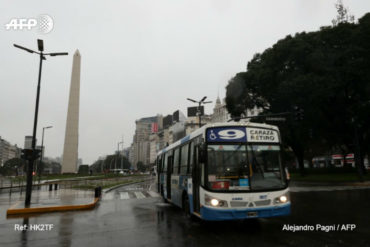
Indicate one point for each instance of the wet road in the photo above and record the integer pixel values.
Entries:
(136, 216)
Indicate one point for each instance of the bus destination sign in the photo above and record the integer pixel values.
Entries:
(262, 135)
(226, 134)
(241, 134)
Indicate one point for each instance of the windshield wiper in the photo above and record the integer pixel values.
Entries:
(254, 161)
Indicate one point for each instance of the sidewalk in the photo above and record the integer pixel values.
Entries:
(44, 201)
(47, 201)
(296, 186)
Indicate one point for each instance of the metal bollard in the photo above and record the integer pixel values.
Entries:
(97, 192)
(55, 186)
(50, 187)
(11, 186)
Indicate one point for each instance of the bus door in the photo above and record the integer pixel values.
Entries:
(169, 172)
(196, 180)
(158, 172)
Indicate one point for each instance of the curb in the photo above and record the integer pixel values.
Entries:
(329, 184)
(18, 211)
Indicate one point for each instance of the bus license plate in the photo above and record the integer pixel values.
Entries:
(252, 214)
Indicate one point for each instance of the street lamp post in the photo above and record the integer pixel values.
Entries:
(115, 164)
(42, 151)
(40, 44)
(102, 166)
(122, 154)
(200, 102)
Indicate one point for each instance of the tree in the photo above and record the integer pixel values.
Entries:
(13, 167)
(40, 167)
(109, 163)
(141, 167)
(83, 169)
(343, 16)
(326, 74)
(97, 166)
(125, 162)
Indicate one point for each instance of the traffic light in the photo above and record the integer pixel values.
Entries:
(29, 154)
(298, 113)
(26, 154)
(37, 154)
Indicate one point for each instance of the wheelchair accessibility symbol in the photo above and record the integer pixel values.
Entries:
(212, 136)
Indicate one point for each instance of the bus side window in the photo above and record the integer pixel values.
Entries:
(165, 163)
(170, 161)
(191, 157)
(184, 159)
(160, 164)
(156, 162)
(196, 155)
(176, 157)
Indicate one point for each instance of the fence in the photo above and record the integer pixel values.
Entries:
(19, 185)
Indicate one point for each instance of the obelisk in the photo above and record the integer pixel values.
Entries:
(70, 153)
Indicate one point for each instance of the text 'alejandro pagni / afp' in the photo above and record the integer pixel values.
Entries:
(319, 227)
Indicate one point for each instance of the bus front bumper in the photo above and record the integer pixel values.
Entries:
(208, 213)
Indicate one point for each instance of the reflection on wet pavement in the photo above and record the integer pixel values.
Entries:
(125, 218)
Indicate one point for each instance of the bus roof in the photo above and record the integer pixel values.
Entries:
(201, 130)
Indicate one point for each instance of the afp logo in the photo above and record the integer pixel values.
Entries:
(43, 23)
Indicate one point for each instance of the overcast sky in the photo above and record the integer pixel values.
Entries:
(139, 58)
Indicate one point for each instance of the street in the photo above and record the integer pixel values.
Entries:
(135, 215)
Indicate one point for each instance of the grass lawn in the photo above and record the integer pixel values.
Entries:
(105, 186)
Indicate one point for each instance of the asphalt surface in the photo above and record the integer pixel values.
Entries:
(135, 215)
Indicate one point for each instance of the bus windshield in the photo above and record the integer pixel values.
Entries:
(244, 167)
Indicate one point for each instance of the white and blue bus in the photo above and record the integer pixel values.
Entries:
(226, 171)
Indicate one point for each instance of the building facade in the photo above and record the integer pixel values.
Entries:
(8, 151)
(148, 141)
(141, 143)
(220, 113)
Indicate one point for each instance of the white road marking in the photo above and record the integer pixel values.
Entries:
(153, 193)
(133, 188)
(124, 195)
(108, 196)
(139, 195)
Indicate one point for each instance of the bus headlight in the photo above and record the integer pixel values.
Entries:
(281, 199)
(214, 202)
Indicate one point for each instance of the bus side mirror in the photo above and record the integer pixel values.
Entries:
(202, 153)
(287, 174)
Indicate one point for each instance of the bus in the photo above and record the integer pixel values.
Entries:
(226, 171)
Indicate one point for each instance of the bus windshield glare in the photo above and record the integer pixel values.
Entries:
(244, 167)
